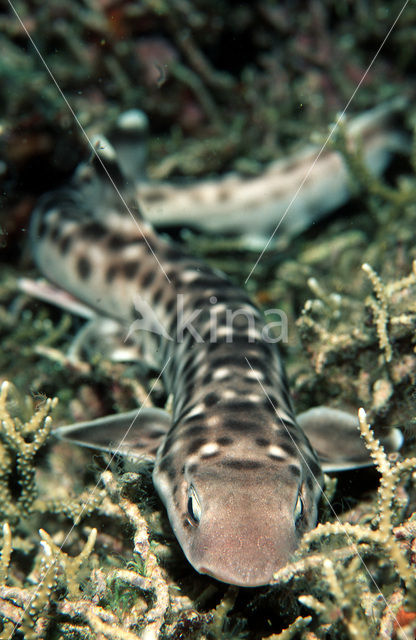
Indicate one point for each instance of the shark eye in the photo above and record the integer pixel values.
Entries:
(298, 513)
(194, 506)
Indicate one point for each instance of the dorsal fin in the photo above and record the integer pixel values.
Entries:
(130, 142)
(105, 162)
(101, 180)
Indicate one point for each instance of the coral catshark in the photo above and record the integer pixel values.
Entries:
(290, 193)
(238, 476)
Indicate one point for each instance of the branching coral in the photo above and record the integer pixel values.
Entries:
(71, 592)
(110, 42)
(342, 333)
(154, 613)
(292, 630)
(398, 197)
(70, 566)
(394, 305)
(352, 559)
(20, 442)
(381, 305)
(153, 578)
(29, 609)
(380, 311)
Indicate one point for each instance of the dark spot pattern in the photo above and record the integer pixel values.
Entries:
(170, 305)
(240, 425)
(287, 448)
(84, 268)
(42, 229)
(196, 445)
(294, 470)
(241, 406)
(117, 242)
(314, 468)
(228, 361)
(157, 296)
(54, 233)
(242, 464)
(310, 482)
(130, 269)
(166, 463)
(153, 435)
(262, 442)
(148, 278)
(93, 231)
(270, 402)
(190, 374)
(65, 244)
(211, 399)
(208, 377)
(110, 274)
(196, 430)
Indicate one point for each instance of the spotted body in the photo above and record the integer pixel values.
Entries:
(290, 193)
(238, 476)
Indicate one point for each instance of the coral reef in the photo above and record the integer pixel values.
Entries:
(116, 574)
(105, 560)
(387, 317)
(57, 593)
(364, 573)
(357, 578)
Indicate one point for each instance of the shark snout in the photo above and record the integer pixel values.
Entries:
(246, 559)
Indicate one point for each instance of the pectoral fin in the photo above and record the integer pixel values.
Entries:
(335, 436)
(100, 334)
(43, 290)
(136, 434)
